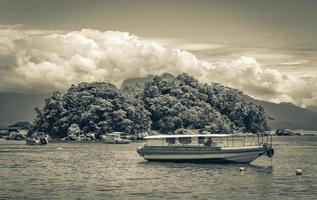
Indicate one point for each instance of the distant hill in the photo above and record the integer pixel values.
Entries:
(19, 107)
(136, 81)
(141, 80)
(288, 115)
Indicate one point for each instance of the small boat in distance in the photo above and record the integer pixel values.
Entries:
(114, 138)
(38, 138)
(207, 148)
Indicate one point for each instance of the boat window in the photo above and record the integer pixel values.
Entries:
(185, 140)
(209, 142)
(201, 140)
(170, 140)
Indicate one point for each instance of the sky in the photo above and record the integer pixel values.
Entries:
(268, 49)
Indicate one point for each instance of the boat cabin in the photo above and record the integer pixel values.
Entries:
(209, 140)
(205, 148)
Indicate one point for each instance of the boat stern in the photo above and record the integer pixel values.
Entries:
(269, 150)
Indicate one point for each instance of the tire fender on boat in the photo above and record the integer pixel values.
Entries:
(270, 152)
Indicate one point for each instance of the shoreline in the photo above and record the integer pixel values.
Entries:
(54, 141)
(75, 142)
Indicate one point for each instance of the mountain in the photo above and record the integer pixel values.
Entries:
(288, 115)
(141, 80)
(19, 107)
(136, 81)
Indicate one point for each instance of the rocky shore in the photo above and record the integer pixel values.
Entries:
(289, 132)
(286, 132)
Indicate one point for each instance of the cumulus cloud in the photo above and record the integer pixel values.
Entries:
(199, 46)
(43, 61)
(56, 60)
(295, 62)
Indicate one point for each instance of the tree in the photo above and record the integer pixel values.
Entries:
(183, 102)
(94, 107)
(51, 118)
(163, 104)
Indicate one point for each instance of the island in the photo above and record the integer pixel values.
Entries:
(164, 104)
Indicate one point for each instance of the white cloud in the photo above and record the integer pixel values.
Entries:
(42, 61)
(199, 46)
(294, 62)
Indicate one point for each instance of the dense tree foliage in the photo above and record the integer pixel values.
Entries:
(185, 103)
(95, 107)
(163, 104)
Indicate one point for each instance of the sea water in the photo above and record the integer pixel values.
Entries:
(111, 171)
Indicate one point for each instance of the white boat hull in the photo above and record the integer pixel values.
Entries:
(237, 155)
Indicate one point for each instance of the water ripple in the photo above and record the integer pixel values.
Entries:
(99, 171)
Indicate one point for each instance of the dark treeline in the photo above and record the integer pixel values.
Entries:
(162, 104)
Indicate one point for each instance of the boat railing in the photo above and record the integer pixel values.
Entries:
(239, 140)
(246, 140)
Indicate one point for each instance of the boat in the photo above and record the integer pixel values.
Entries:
(114, 138)
(36, 140)
(207, 148)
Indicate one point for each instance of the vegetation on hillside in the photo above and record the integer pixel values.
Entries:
(23, 125)
(161, 104)
(95, 107)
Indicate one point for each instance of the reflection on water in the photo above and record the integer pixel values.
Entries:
(90, 171)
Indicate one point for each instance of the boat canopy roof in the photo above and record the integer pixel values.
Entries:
(187, 136)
